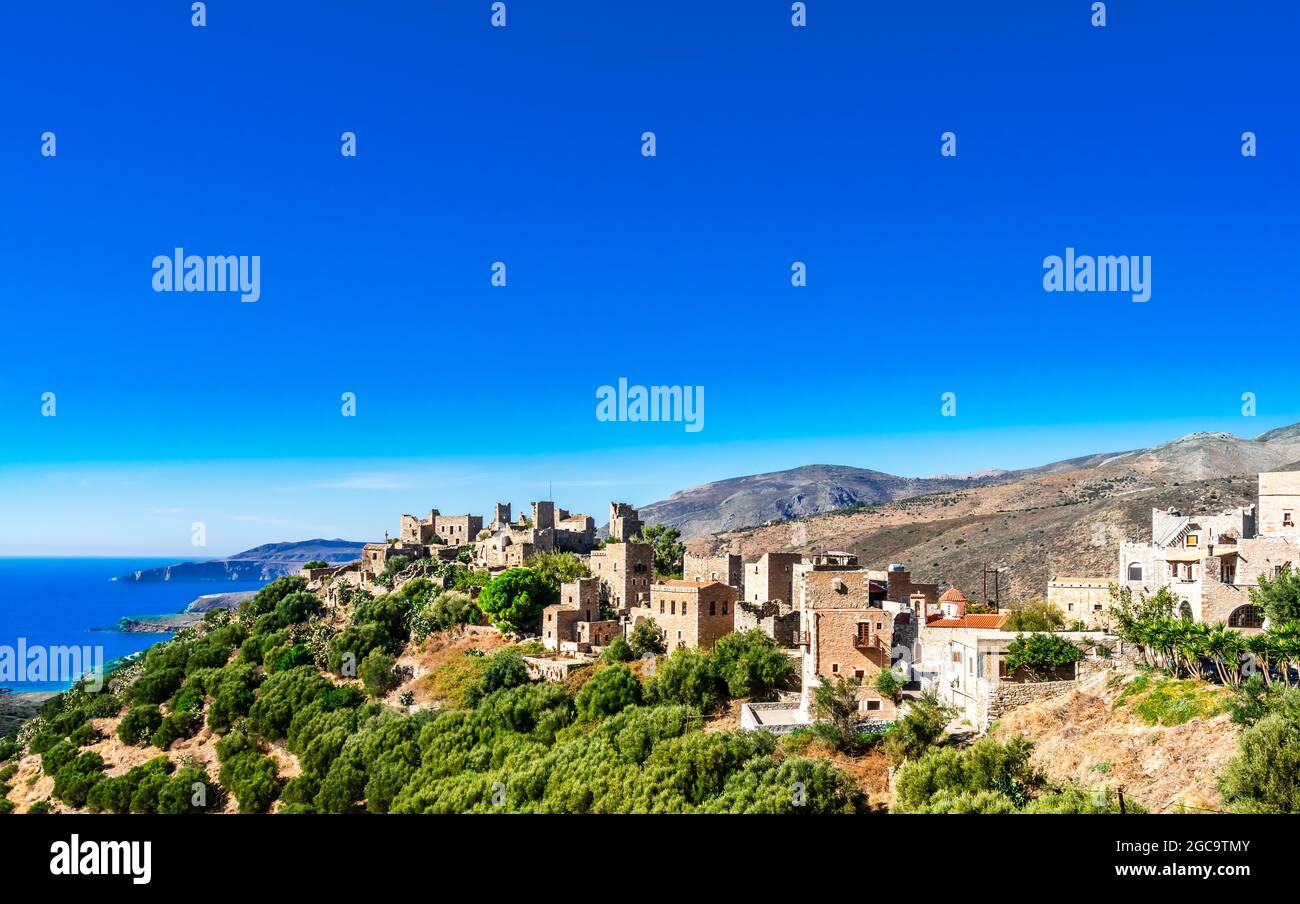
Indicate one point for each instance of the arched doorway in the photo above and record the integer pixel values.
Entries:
(1135, 571)
(1185, 611)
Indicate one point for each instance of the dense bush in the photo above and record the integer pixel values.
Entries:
(1034, 615)
(922, 726)
(282, 695)
(609, 692)
(232, 695)
(266, 599)
(1041, 654)
(248, 775)
(150, 788)
(505, 669)
(687, 677)
(75, 778)
(514, 599)
(354, 643)
(442, 612)
(617, 650)
(1264, 777)
(750, 664)
(139, 723)
(176, 726)
(378, 673)
(644, 639)
(935, 781)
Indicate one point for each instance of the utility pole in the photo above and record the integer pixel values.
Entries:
(996, 598)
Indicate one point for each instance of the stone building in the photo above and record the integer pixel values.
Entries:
(375, 556)
(575, 625)
(510, 544)
(1082, 599)
(1209, 562)
(723, 567)
(963, 662)
(771, 577)
(625, 571)
(453, 530)
(692, 614)
(843, 633)
(624, 522)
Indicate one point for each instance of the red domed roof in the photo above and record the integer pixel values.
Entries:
(952, 595)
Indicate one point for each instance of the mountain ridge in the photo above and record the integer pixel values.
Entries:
(748, 501)
(260, 563)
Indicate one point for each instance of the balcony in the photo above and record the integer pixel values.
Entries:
(866, 641)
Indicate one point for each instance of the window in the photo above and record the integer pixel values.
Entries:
(661, 607)
(683, 607)
(713, 607)
(835, 668)
(1096, 607)
(1246, 617)
(1135, 571)
(1286, 519)
(873, 704)
(673, 605)
(724, 607)
(1193, 540)
(956, 656)
(1229, 574)
(859, 674)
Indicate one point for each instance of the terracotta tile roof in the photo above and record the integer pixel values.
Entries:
(677, 582)
(983, 620)
(952, 595)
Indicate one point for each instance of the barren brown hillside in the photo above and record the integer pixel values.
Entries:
(1096, 738)
(1062, 524)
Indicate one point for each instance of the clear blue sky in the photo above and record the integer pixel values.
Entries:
(522, 144)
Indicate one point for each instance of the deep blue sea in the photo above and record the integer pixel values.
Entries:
(56, 602)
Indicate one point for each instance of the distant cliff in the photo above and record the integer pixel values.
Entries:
(261, 563)
(191, 616)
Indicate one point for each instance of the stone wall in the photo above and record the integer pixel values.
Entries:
(1082, 599)
(1007, 695)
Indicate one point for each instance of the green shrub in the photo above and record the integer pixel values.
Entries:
(75, 779)
(246, 773)
(610, 691)
(139, 723)
(514, 599)
(750, 664)
(645, 639)
(687, 677)
(378, 673)
(505, 669)
(617, 650)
